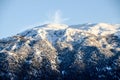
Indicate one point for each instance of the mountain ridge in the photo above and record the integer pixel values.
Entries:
(62, 52)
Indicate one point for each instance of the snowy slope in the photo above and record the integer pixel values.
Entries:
(54, 32)
(62, 52)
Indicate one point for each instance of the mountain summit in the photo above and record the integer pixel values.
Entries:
(61, 52)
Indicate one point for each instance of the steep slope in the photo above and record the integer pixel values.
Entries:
(61, 52)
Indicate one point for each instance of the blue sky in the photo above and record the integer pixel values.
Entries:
(19, 15)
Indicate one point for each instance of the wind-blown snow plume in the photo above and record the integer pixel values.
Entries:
(51, 17)
(57, 17)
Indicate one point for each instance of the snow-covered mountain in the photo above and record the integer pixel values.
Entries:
(61, 52)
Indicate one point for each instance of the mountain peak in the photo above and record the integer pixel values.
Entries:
(53, 26)
(57, 26)
(58, 52)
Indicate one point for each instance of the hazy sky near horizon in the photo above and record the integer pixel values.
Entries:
(19, 15)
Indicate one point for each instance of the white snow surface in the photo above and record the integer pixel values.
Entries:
(65, 33)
